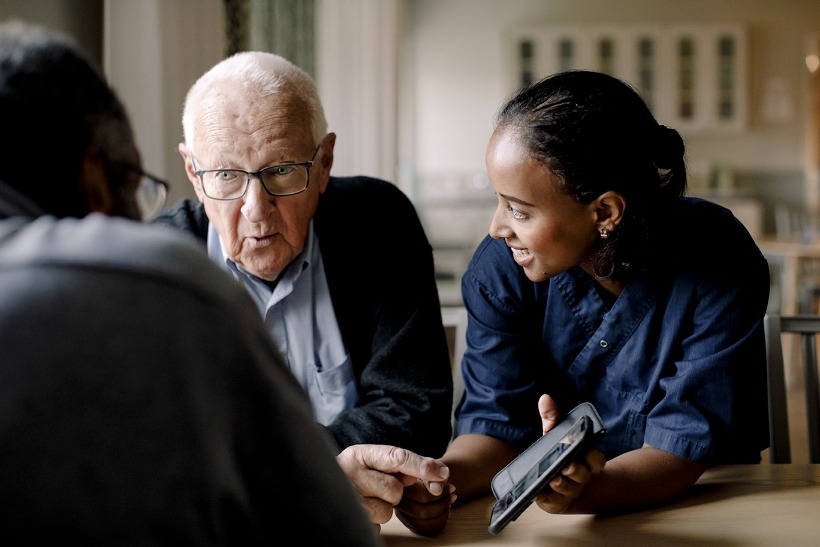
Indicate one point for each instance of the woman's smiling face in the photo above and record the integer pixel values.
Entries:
(547, 231)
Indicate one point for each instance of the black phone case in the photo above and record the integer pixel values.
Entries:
(507, 478)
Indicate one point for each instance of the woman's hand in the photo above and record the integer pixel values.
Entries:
(569, 484)
(425, 510)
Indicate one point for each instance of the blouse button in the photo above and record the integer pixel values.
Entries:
(603, 343)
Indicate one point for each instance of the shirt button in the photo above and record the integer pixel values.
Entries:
(603, 343)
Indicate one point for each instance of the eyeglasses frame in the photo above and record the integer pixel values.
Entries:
(257, 175)
(153, 178)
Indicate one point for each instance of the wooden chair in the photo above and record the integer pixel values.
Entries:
(807, 327)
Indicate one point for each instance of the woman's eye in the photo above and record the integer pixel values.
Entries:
(516, 214)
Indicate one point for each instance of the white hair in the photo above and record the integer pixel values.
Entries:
(265, 74)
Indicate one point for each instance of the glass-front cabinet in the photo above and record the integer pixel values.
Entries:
(693, 77)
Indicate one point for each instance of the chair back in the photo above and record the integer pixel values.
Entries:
(807, 327)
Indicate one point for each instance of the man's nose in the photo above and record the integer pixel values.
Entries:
(256, 200)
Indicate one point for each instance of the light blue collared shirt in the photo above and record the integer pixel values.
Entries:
(299, 315)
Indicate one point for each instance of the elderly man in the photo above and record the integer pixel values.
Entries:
(143, 401)
(340, 268)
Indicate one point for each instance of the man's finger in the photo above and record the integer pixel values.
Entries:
(392, 459)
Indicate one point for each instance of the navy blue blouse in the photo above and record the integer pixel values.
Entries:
(677, 362)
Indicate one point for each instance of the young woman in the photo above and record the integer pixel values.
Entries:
(600, 282)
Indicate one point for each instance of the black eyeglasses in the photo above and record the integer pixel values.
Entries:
(151, 192)
(151, 195)
(286, 179)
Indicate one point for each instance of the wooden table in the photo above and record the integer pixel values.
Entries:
(739, 505)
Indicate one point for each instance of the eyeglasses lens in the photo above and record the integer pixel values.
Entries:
(151, 196)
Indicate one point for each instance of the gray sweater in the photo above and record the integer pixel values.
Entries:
(143, 401)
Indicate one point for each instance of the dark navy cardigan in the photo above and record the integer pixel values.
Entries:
(380, 272)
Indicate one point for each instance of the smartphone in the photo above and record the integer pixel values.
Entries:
(572, 446)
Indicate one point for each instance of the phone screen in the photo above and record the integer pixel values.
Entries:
(512, 504)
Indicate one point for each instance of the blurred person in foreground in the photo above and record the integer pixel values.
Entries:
(142, 400)
(339, 267)
(600, 281)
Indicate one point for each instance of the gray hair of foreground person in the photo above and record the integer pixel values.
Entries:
(261, 73)
(52, 95)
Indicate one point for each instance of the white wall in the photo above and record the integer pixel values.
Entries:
(79, 19)
(356, 75)
(154, 50)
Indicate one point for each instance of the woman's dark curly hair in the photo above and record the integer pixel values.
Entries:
(594, 133)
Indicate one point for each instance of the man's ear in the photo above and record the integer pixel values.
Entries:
(189, 171)
(609, 210)
(325, 160)
(95, 184)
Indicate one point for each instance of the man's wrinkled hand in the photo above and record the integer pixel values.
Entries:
(380, 473)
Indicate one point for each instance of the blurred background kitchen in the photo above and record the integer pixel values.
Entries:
(411, 88)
